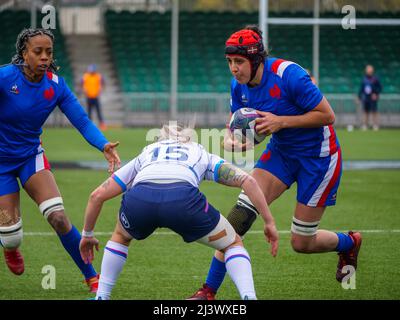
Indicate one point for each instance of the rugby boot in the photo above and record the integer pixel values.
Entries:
(204, 293)
(93, 283)
(14, 261)
(349, 257)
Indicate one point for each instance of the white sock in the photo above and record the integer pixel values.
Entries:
(114, 258)
(238, 266)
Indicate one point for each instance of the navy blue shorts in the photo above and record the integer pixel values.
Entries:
(180, 207)
(370, 106)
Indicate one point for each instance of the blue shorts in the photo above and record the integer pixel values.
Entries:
(22, 169)
(180, 207)
(317, 178)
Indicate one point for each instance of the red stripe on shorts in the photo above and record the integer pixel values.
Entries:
(331, 183)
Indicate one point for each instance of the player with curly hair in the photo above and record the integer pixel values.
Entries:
(30, 89)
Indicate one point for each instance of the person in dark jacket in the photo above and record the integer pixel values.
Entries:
(369, 95)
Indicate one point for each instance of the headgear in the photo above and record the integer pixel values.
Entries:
(247, 43)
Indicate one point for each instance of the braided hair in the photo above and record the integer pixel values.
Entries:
(23, 39)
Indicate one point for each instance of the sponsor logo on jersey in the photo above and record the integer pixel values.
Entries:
(244, 99)
(14, 89)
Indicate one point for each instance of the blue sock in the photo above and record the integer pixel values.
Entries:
(216, 274)
(70, 241)
(345, 242)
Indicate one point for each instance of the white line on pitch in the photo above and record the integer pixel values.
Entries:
(44, 234)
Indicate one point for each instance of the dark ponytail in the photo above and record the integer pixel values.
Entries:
(256, 29)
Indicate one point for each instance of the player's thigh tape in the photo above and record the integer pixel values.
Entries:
(243, 214)
(11, 236)
(47, 207)
(304, 228)
(221, 237)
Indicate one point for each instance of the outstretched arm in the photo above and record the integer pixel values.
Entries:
(111, 155)
(108, 190)
(230, 175)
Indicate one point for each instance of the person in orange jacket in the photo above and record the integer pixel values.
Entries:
(93, 85)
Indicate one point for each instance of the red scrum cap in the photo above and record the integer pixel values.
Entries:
(247, 43)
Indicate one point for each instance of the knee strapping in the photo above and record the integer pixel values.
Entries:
(47, 207)
(304, 228)
(242, 215)
(222, 236)
(11, 236)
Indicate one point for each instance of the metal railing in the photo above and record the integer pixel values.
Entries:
(212, 109)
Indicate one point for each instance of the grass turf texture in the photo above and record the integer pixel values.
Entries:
(68, 145)
(164, 267)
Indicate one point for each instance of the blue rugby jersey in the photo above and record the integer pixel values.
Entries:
(286, 90)
(25, 106)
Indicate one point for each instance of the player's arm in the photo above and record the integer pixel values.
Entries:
(230, 175)
(107, 190)
(118, 183)
(315, 110)
(321, 115)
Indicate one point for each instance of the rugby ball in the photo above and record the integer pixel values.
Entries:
(242, 126)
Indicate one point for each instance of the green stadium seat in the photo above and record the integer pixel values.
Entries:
(201, 60)
(13, 21)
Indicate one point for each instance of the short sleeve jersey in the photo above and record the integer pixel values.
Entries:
(286, 89)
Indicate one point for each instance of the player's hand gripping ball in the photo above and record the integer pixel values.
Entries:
(242, 126)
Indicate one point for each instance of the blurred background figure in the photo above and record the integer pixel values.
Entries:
(92, 86)
(369, 94)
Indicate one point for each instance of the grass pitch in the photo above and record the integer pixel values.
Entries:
(164, 267)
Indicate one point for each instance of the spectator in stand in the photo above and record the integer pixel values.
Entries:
(369, 95)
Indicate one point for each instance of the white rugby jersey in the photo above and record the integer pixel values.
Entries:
(170, 161)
